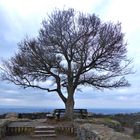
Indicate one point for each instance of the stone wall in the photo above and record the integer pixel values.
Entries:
(105, 121)
(19, 131)
(136, 130)
(3, 125)
(66, 130)
(99, 132)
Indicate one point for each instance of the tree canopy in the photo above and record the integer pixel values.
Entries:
(72, 49)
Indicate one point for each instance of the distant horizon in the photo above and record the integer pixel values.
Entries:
(29, 109)
(15, 106)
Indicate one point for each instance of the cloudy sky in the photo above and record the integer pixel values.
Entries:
(19, 18)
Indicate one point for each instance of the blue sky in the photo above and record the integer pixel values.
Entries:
(19, 18)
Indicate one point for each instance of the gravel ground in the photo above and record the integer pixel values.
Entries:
(60, 137)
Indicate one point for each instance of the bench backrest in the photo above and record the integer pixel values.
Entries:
(81, 112)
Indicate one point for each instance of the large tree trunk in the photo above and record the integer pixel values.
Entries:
(69, 106)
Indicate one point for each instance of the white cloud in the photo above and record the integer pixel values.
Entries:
(46, 83)
(24, 17)
(125, 11)
(11, 91)
(9, 101)
(28, 8)
(121, 102)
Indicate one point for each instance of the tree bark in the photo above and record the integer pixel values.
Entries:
(69, 106)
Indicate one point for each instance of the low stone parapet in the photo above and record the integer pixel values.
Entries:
(99, 132)
(67, 130)
(3, 126)
(105, 121)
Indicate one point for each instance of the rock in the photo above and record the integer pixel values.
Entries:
(106, 121)
(113, 124)
(136, 129)
(11, 116)
(99, 132)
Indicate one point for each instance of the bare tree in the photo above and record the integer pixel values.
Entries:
(72, 49)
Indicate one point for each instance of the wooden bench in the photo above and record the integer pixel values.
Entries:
(78, 113)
